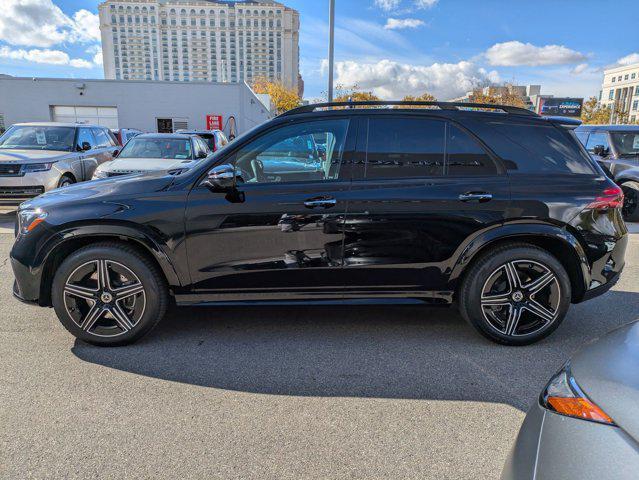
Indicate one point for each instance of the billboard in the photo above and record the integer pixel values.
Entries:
(563, 107)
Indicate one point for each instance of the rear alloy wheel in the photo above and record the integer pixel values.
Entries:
(630, 208)
(516, 295)
(109, 294)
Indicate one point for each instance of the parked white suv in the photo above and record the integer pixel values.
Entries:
(38, 157)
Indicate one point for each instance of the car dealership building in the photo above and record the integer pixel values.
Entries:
(150, 106)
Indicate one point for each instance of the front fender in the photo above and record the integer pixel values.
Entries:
(523, 230)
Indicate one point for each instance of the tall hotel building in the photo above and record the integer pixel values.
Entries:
(200, 41)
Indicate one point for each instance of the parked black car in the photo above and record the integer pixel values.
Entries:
(493, 208)
(616, 148)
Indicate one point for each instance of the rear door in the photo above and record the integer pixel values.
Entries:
(88, 159)
(428, 185)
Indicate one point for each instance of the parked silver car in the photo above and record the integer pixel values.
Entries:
(38, 157)
(585, 425)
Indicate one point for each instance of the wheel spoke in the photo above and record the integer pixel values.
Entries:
(542, 312)
(501, 299)
(103, 275)
(540, 283)
(513, 277)
(121, 318)
(93, 316)
(80, 292)
(128, 291)
(513, 320)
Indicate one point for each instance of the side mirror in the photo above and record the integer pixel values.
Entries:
(116, 153)
(221, 179)
(86, 146)
(201, 155)
(600, 151)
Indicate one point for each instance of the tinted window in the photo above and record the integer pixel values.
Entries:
(465, 156)
(534, 148)
(626, 143)
(405, 147)
(101, 138)
(292, 154)
(597, 138)
(85, 135)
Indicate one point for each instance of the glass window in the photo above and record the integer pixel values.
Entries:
(611, 95)
(466, 157)
(405, 148)
(85, 135)
(158, 147)
(37, 137)
(626, 143)
(310, 151)
(101, 138)
(597, 138)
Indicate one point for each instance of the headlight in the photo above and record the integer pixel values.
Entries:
(99, 174)
(37, 167)
(29, 219)
(562, 395)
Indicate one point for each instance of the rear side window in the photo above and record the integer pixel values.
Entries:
(597, 138)
(405, 148)
(465, 156)
(533, 148)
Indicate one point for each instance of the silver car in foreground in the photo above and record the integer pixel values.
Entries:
(586, 423)
(38, 157)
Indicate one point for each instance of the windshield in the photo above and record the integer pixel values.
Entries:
(39, 138)
(167, 148)
(626, 143)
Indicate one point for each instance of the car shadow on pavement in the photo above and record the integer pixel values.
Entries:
(408, 352)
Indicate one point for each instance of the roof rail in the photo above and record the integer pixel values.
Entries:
(442, 105)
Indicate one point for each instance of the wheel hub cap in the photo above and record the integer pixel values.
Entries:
(518, 296)
(106, 297)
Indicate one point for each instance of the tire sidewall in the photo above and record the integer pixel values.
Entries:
(472, 310)
(153, 310)
(634, 186)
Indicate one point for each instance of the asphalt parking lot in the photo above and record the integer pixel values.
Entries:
(277, 392)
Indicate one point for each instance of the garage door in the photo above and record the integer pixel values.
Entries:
(103, 116)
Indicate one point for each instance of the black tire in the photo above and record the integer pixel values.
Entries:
(65, 181)
(631, 201)
(127, 271)
(520, 306)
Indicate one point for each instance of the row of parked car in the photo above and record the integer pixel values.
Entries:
(39, 157)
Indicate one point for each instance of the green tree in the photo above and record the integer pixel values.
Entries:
(594, 112)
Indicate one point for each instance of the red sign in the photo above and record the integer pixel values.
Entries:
(214, 122)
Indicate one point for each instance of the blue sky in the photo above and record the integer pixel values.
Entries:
(392, 47)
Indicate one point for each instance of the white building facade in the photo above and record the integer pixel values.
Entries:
(200, 41)
(620, 91)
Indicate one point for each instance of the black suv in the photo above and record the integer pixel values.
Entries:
(492, 208)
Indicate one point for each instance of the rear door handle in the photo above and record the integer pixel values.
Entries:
(481, 197)
(320, 202)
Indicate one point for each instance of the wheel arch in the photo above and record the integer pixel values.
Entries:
(559, 242)
(67, 244)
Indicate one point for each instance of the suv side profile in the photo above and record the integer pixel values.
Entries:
(616, 149)
(494, 209)
(38, 157)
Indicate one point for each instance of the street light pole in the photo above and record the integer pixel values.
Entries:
(331, 47)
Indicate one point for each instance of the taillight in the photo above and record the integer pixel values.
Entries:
(610, 198)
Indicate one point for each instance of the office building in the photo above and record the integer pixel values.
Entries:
(620, 91)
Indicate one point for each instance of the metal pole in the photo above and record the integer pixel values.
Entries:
(331, 47)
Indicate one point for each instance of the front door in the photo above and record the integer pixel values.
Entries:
(280, 235)
(427, 186)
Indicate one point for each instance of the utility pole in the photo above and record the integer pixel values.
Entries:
(331, 47)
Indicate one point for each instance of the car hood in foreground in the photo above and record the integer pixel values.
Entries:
(106, 190)
(608, 372)
(134, 165)
(22, 156)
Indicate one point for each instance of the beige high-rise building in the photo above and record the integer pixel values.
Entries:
(200, 40)
(621, 88)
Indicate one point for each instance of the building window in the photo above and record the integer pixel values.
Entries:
(626, 77)
(611, 96)
(635, 104)
(614, 79)
(637, 90)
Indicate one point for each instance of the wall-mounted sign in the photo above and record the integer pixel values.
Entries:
(214, 122)
(564, 107)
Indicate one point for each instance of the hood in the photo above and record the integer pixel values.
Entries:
(10, 155)
(608, 372)
(106, 190)
(136, 165)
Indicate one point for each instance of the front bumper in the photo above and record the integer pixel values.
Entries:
(17, 189)
(551, 446)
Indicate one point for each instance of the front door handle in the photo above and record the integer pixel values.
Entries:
(481, 197)
(320, 202)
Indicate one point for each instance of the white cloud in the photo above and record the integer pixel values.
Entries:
(514, 53)
(96, 51)
(40, 23)
(579, 69)
(392, 80)
(387, 5)
(398, 24)
(44, 56)
(628, 59)
(423, 4)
